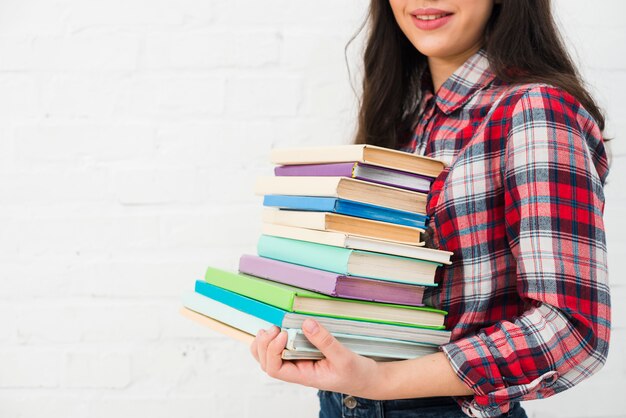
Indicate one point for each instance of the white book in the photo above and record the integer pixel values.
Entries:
(224, 313)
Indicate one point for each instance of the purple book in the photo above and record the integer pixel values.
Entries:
(374, 174)
(331, 284)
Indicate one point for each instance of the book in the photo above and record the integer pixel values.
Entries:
(293, 299)
(218, 326)
(247, 338)
(363, 345)
(331, 284)
(344, 188)
(368, 154)
(360, 171)
(212, 301)
(234, 302)
(433, 337)
(220, 310)
(346, 207)
(328, 221)
(338, 239)
(348, 261)
(298, 346)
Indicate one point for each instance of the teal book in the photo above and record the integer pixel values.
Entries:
(348, 261)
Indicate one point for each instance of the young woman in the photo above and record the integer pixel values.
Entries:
(488, 87)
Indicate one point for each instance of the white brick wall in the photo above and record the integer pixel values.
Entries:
(119, 121)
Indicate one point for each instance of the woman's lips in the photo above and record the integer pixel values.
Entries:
(429, 19)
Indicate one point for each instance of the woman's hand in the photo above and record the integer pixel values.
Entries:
(340, 371)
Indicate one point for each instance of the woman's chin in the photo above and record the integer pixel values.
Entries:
(444, 50)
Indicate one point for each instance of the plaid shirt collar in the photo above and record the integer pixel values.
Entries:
(471, 77)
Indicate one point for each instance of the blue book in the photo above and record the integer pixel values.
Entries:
(346, 207)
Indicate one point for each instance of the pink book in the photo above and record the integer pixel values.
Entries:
(331, 284)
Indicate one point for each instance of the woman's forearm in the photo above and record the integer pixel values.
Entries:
(427, 376)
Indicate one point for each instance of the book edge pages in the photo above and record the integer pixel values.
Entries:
(401, 315)
(429, 171)
(295, 320)
(395, 198)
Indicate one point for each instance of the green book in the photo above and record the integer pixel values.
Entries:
(348, 261)
(294, 299)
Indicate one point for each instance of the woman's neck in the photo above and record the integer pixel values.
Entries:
(442, 68)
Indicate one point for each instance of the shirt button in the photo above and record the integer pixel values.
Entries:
(350, 402)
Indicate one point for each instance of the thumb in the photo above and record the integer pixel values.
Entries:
(324, 340)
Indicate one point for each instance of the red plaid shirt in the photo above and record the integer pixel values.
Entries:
(521, 208)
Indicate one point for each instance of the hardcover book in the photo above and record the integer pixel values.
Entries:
(246, 338)
(218, 326)
(347, 261)
(328, 221)
(331, 284)
(346, 207)
(382, 348)
(367, 154)
(338, 239)
(360, 171)
(344, 188)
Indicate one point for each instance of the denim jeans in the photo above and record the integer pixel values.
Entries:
(336, 405)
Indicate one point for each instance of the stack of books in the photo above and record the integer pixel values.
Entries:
(341, 242)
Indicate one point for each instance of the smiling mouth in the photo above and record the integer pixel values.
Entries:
(431, 17)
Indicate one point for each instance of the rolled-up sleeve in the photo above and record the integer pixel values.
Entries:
(553, 175)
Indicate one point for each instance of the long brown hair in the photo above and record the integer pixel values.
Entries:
(522, 43)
